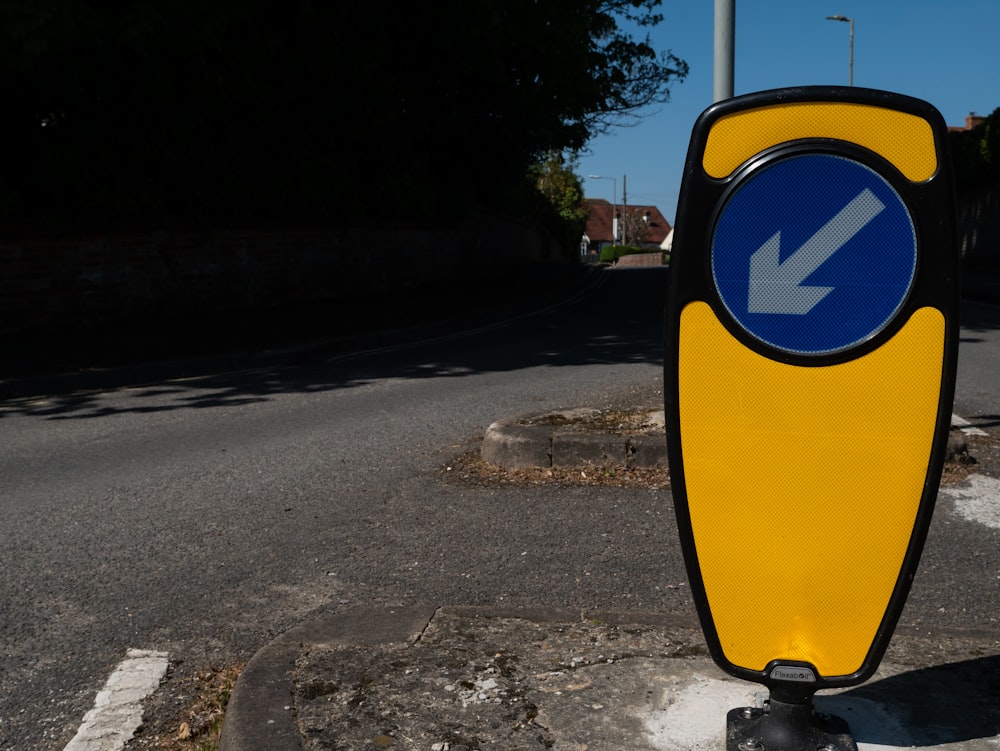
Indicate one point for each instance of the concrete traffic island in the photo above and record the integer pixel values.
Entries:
(466, 678)
(629, 438)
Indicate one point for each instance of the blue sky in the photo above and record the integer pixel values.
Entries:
(947, 53)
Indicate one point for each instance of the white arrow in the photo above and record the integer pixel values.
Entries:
(776, 286)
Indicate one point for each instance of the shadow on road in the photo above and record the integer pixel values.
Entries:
(616, 319)
(944, 704)
(978, 317)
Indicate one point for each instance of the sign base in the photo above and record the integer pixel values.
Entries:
(782, 726)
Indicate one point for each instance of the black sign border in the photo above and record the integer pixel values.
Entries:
(933, 211)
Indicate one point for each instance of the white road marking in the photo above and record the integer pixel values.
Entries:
(117, 711)
(965, 426)
(977, 499)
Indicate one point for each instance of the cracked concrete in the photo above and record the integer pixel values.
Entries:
(473, 679)
(486, 683)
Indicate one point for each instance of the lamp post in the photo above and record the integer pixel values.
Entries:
(614, 197)
(725, 49)
(845, 19)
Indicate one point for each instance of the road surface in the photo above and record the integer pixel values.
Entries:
(200, 518)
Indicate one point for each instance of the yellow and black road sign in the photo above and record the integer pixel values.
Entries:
(811, 345)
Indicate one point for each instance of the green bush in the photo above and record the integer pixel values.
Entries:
(611, 253)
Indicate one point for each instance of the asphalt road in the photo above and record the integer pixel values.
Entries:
(202, 517)
(977, 397)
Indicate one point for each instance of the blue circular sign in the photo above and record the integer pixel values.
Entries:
(813, 254)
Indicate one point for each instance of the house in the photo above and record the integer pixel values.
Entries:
(604, 226)
(668, 241)
(972, 121)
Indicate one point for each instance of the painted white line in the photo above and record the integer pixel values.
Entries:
(117, 711)
(977, 499)
(965, 426)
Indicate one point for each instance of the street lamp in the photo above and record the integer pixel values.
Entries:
(614, 197)
(845, 19)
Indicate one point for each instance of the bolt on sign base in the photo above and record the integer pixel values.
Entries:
(781, 726)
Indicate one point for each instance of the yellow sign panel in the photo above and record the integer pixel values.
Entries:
(810, 480)
(905, 140)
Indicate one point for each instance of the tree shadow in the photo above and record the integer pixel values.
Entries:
(616, 321)
(933, 706)
(979, 317)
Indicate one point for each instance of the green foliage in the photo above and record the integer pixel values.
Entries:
(557, 182)
(611, 253)
(159, 111)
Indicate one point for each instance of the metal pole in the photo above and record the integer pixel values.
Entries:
(850, 70)
(725, 36)
(624, 209)
(851, 73)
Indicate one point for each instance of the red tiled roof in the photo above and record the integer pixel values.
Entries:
(601, 214)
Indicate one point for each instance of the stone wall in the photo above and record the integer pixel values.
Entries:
(52, 283)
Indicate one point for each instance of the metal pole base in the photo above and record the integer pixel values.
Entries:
(781, 726)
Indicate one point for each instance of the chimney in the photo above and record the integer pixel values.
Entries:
(972, 120)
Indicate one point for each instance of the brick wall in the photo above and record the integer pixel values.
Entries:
(52, 283)
(641, 259)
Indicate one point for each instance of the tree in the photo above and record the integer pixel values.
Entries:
(557, 182)
(304, 110)
(635, 227)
